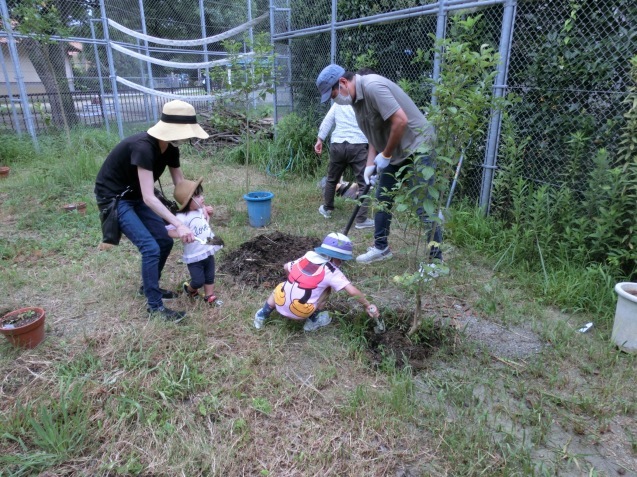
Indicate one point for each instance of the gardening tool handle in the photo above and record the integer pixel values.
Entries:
(357, 208)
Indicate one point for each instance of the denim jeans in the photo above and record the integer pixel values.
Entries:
(382, 218)
(148, 233)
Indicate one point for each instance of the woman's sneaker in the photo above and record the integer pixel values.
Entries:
(322, 319)
(365, 224)
(166, 314)
(165, 294)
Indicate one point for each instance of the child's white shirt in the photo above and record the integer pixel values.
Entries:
(196, 221)
(308, 278)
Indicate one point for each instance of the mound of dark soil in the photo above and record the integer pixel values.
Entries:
(259, 262)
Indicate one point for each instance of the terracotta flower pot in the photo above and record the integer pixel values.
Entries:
(4, 172)
(79, 206)
(24, 327)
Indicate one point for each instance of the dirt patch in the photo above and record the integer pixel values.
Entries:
(259, 262)
(395, 345)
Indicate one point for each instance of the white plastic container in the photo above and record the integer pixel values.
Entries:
(625, 325)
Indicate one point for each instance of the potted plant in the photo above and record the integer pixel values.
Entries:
(24, 327)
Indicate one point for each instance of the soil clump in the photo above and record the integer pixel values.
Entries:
(259, 262)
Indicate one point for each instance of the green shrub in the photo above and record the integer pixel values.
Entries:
(290, 152)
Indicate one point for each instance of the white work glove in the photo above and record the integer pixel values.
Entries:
(369, 170)
(381, 161)
(373, 179)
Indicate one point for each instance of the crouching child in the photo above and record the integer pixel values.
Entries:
(311, 279)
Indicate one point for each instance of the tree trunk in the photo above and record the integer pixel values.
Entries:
(48, 61)
(415, 324)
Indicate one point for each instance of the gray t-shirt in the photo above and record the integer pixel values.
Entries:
(377, 98)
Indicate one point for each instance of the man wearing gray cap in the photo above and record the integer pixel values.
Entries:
(395, 128)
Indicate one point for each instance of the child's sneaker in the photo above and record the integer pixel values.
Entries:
(259, 319)
(210, 299)
(187, 291)
(322, 319)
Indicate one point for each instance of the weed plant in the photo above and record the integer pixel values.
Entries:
(291, 153)
(569, 244)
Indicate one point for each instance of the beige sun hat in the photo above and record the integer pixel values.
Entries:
(184, 191)
(178, 121)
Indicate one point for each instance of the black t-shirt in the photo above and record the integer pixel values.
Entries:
(119, 170)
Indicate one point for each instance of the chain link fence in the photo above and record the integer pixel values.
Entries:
(568, 62)
(94, 71)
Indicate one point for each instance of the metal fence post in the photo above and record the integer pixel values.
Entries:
(441, 32)
(333, 32)
(274, 95)
(14, 113)
(205, 46)
(499, 89)
(13, 50)
(111, 70)
(151, 81)
(288, 54)
(141, 73)
(99, 75)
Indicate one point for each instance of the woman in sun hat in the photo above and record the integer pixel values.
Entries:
(310, 280)
(125, 183)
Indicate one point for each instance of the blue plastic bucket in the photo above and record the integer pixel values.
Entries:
(259, 207)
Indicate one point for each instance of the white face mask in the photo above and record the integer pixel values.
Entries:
(179, 142)
(343, 100)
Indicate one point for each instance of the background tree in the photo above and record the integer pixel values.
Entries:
(245, 78)
(42, 20)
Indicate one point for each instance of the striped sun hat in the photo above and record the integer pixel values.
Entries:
(336, 245)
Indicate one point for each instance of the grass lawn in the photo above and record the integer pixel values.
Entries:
(511, 389)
